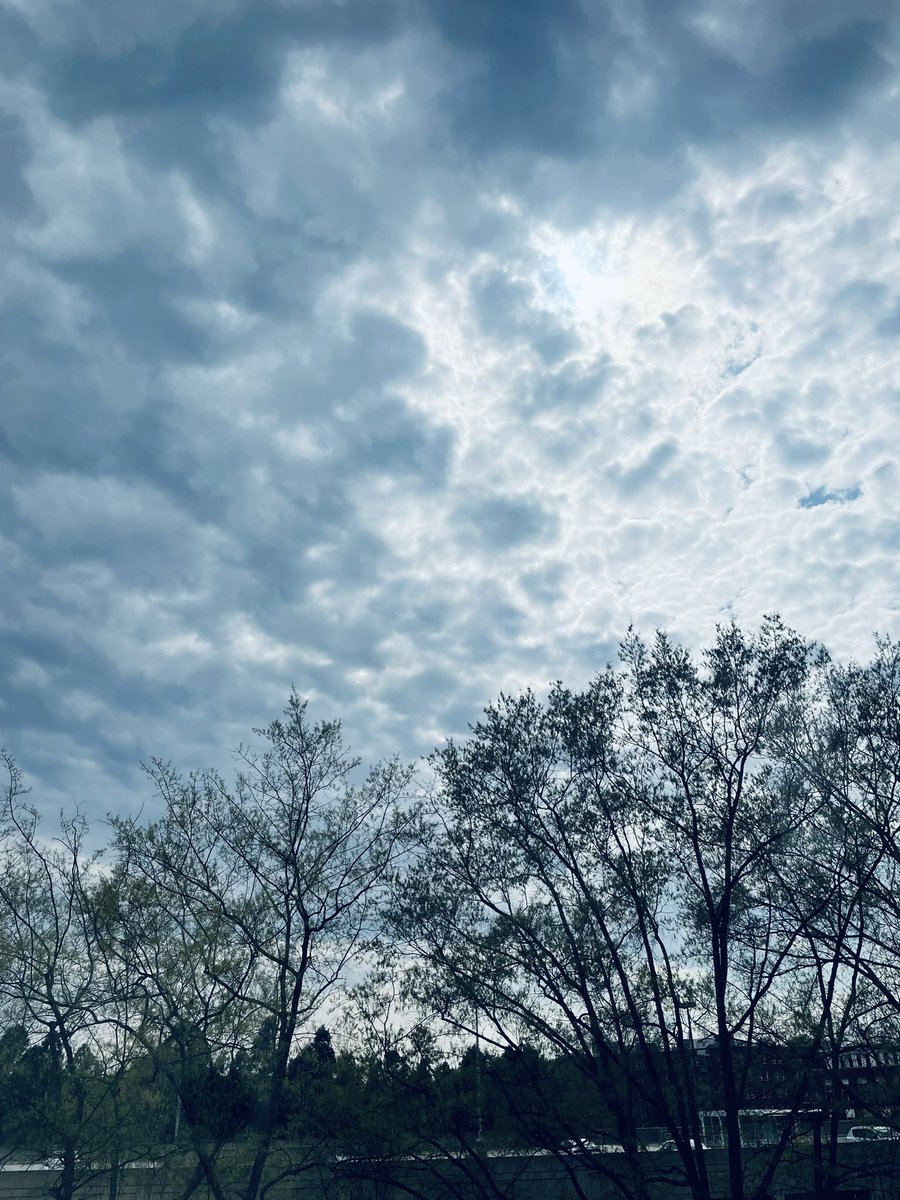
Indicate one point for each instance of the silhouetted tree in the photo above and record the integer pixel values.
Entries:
(242, 906)
(601, 872)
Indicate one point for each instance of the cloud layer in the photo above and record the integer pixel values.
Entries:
(410, 351)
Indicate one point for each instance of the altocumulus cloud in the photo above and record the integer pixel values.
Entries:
(407, 350)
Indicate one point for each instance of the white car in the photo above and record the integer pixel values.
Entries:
(671, 1147)
(578, 1146)
(869, 1133)
(47, 1164)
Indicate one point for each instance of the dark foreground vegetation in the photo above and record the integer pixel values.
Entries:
(614, 918)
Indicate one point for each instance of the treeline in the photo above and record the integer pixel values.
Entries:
(341, 1104)
(673, 891)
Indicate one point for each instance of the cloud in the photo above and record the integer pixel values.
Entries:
(405, 352)
(650, 470)
(219, 61)
(524, 82)
(889, 326)
(507, 308)
(16, 197)
(574, 385)
(504, 522)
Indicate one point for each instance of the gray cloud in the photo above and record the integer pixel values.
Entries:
(649, 471)
(138, 298)
(796, 449)
(507, 307)
(215, 62)
(405, 351)
(505, 522)
(574, 385)
(889, 326)
(528, 76)
(16, 198)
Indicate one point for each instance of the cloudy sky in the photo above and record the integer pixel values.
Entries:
(408, 350)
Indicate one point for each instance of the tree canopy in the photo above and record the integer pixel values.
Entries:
(616, 916)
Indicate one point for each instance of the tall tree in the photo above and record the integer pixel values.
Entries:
(597, 874)
(243, 908)
(731, 813)
(53, 985)
(847, 746)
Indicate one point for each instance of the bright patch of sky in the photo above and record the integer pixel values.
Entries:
(409, 350)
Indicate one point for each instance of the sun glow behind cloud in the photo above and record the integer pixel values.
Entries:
(616, 273)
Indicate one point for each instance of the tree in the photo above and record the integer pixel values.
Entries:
(598, 875)
(846, 745)
(240, 911)
(732, 814)
(53, 986)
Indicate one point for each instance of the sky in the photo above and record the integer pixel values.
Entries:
(408, 351)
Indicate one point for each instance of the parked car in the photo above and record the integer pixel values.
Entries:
(53, 1163)
(869, 1133)
(671, 1146)
(581, 1146)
